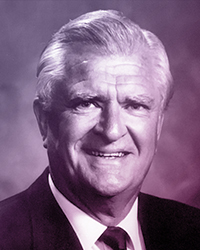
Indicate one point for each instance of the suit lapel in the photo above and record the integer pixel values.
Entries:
(151, 221)
(50, 227)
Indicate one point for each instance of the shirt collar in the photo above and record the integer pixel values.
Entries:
(79, 219)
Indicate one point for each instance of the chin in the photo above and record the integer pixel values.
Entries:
(109, 190)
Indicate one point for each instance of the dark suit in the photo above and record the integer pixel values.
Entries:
(33, 220)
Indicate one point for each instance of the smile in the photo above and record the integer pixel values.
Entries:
(107, 155)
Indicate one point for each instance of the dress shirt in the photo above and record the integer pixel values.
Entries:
(80, 220)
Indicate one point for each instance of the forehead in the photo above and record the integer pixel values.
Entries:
(110, 77)
(109, 69)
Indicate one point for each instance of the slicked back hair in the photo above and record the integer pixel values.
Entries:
(104, 33)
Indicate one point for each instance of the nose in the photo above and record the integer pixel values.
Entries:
(111, 125)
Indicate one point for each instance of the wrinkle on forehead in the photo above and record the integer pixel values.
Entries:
(97, 74)
(135, 88)
(109, 79)
(82, 68)
(81, 73)
(118, 69)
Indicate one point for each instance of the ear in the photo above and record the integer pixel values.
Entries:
(41, 120)
(160, 124)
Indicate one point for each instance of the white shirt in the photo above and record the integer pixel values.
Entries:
(79, 219)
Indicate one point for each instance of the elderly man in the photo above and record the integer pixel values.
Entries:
(103, 86)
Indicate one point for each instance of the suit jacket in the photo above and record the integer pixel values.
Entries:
(33, 220)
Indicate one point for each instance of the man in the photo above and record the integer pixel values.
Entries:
(103, 86)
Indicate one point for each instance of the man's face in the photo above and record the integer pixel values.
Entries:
(109, 123)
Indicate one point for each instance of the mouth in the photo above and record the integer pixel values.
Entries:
(106, 155)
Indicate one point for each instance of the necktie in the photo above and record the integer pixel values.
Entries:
(115, 238)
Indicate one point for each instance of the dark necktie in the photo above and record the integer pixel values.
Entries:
(115, 238)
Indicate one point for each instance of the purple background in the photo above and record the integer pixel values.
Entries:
(25, 28)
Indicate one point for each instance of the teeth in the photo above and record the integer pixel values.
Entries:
(108, 155)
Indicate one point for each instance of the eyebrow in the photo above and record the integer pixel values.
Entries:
(146, 100)
(76, 98)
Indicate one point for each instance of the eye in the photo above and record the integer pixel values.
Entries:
(86, 106)
(136, 106)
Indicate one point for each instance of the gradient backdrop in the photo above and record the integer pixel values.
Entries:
(25, 28)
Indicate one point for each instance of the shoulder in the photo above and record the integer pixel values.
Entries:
(170, 208)
(169, 223)
(19, 205)
(16, 215)
(14, 221)
(34, 220)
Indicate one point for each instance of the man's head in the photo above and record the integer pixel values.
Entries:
(103, 84)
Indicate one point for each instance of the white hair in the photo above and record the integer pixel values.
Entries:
(107, 33)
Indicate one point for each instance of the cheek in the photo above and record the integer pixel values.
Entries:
(143, 132)
(74, 128)
(150, 139)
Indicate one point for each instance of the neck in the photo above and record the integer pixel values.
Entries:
(108, 210)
